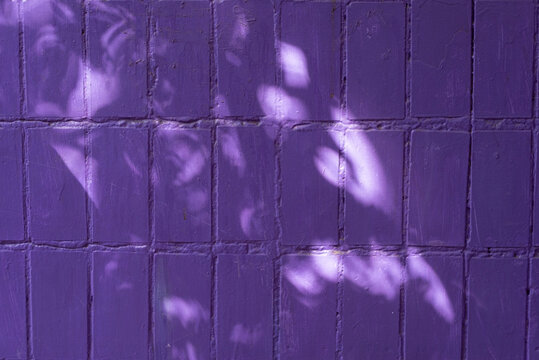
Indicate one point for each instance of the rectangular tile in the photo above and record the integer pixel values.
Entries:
(441, 57)
(497, 308)
(438, 187)
(11, 221)
(500, 193)
(309, 188)
(375, 60)
(119, 188)
(371, 307)
(56, 175)
(244, 317)
(59, 294)
(9, 52)
(12, 305)
(310, 59)
(117, 77)
(182, 294)
(53, 58)
(374, 181)
(434, 307)
(503, 73)
(245, 180)
(308, 307)
(182, 180)
(182, 58)
(120, 305)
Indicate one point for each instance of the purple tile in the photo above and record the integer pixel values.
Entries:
(182, 180)
(246, 54)
(308, 307)
(119, 188)
(244, 317)
(374, 173)
(376, 34)
(371, 307)
(246, 171)
(500, 188)
(309, 188)
(11, 221)
(438, 181)
(497, 308)
(56, 173)
(433, 307)
(310, 58)
(117, 83)
(182, 58)
(182, 293)
(59, 284)
(441, 57)
(9, 52)
(536, 193)
(503, 74)
(53, 58)
(120, 305)
(12, 306)
(533, 339)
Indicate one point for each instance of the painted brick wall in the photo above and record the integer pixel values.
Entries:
(241, 179)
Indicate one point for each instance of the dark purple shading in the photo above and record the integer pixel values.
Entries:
(182, 180)
(246, 167)
(117, 50)
(431, 334)
(12, 305)
(56, 195)
(182, 293)
(438, 180)
(182, 58)
(533, 336)
(244, 309)
(375, 60)
(120, 305)
(496, 308)
(59, 284)
(309, 201)
(322, 52)
(9, 53)
(119, 188)
(500, 190)
(366, 223)
(307, 321)
(370, 317)
(441, 50)
(53, 58)
(11, 221)
(503, 74)
(536, 193)
(244, 61)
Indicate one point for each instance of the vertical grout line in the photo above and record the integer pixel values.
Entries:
(406, 176)
(28, 274)
(151, 250)
(84, 35)
(22, 62)
(277, 261)
(532, 191)
(341, 187)
(150, 65)
(213, 177)
(88, 241)
(467, 233)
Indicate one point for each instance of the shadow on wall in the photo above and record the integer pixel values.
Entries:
(118, 163)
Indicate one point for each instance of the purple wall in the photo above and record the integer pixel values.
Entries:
(258, 179)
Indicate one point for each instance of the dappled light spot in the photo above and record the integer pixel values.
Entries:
(294, 64)
(245, 335)
(189, 312)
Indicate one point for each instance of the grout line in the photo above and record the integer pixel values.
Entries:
(151, 249)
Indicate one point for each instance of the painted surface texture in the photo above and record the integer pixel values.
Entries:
(269, 179)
